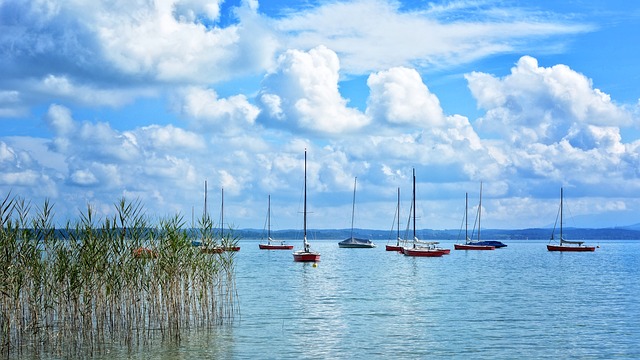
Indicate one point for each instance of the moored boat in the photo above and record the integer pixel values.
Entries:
(144, 253)
(225, 244)
(423, 252)
(495, 243)
(436, 245)
(354, 242)
(305, 255)
(207, 244)
(567, 245)
(473, 247)
(477, 244)
(272, 244)
(577, 247)
(396, 246)
(420, 248)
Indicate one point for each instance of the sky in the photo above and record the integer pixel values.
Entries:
(147, 99)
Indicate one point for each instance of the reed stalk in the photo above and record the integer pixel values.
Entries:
(82, 288)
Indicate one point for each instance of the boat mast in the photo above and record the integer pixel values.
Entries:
(222, 217)
(204, 213)
(269, 220)
(414, 207)
(306, 244)
(398, 207)
(479, 211)
(353, 205)
(466, 217)
(561, 197)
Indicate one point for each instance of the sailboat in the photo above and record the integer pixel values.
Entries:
(566, 245)
(479, 244)
(205, 217)
(470, 245)
(271, 244)
(397, 246)
(224, 243)
(417, 249)
(226, 246)
(353, 242)
(305, 255)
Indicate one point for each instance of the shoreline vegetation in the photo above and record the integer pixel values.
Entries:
(99, 282)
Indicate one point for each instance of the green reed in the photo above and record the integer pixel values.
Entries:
(80, 288)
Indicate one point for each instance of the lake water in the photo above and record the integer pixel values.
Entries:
(515, 302)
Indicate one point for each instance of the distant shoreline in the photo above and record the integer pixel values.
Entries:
(429, 234)
(628, 233)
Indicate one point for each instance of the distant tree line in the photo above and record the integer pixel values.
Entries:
(428, 234)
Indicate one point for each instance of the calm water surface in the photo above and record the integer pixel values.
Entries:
(519, 301)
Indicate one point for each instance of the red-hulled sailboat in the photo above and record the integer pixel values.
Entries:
(272, 244)
(420, 248)
(397, 246)
(566, 245)
(305, 255)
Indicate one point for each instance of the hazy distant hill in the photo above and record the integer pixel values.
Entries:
(624, 233)
(632, 227)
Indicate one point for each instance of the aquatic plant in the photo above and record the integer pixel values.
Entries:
(80, 288)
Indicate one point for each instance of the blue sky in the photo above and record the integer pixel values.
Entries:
(146, 100)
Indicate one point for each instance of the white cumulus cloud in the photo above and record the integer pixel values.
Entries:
(306, 84)
(538, 104)
(208, 112)
(399, 96)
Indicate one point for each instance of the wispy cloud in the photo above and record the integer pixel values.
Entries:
(372, 35)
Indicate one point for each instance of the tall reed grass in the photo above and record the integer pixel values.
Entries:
(78, 289)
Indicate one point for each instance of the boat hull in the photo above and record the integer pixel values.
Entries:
(423, 252)
(356, 246)
(356, 243)
(304, 256)
(494, 243)
(394, 248)
(218, 249)
(571, 248)
(473, 247)
(144, 253)
(275, 247)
